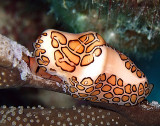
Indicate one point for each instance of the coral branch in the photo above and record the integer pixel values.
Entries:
(83, 116)
(14, 72)
(13, 66)
(143, 114)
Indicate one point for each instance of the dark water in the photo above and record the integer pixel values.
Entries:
(151, 68)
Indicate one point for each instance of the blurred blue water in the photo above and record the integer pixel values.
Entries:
(151, 68)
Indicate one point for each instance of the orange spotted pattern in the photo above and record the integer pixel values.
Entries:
(130, 65)
(107, 87)
(70, 53)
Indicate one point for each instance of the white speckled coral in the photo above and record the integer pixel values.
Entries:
(75, 116)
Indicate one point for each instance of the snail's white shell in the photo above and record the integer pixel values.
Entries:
(90, 69)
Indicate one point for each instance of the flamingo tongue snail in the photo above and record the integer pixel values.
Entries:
(89, 68)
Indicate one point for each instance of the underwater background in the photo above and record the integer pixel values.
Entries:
(133, 27)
